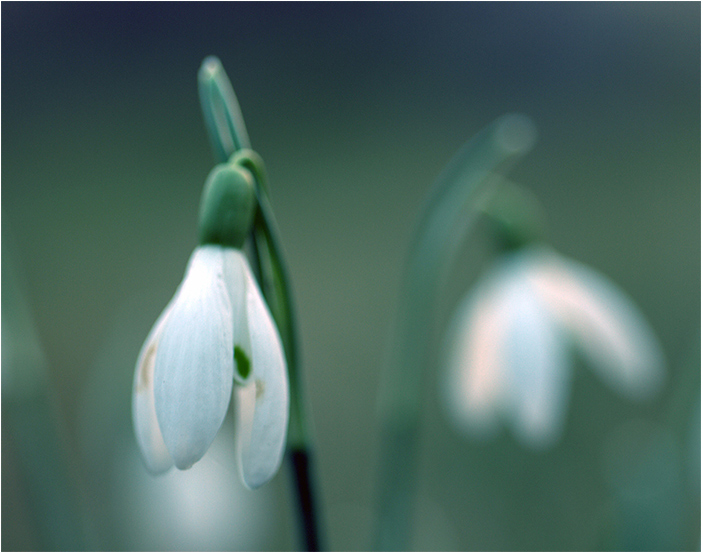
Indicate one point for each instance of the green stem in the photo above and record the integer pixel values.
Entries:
(230, 141)
(34, 438)
(276, 286)
(452, 210)
(223, 118)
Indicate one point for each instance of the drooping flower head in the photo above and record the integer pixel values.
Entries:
(509, 346)
(216, 338)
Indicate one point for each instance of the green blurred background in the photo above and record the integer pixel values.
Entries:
(355, 109)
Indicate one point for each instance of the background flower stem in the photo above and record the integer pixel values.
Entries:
(36, 448)
(453, 207)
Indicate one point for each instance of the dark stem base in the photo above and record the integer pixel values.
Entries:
(301, 463)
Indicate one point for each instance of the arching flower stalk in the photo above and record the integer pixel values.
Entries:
(230, 142)
(451, 211)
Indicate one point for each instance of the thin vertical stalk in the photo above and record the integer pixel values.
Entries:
(33, 428)
(276, 284)
(452, 209)
(230, 142)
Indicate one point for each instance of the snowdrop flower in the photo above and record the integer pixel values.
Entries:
(216, 338)
(508, 347)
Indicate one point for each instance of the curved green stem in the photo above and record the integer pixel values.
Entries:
(454, 205)
(34, 440)
(276, 288)
(223, 117)
(228, 136)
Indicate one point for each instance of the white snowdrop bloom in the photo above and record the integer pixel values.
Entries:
(508, 346)
(215, 335)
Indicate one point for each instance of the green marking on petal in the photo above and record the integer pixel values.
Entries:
(243, 363)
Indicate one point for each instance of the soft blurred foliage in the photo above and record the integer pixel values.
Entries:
(355, 108)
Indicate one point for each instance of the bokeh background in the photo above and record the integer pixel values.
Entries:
(355, 108)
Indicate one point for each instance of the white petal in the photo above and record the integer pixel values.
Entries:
(146, 427)
(194, 362)
(473, 384)
(262, 404)
(538, 366)
(606, 325)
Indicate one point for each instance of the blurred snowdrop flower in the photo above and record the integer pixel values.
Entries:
(215, 336)
(508, 347)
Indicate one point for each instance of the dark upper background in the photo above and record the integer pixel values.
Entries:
(355, 108)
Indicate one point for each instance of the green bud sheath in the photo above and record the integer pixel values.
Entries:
(227, 206)
(516, 215)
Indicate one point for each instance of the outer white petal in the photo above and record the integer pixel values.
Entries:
(262, 404)
(473, 386)
(606, 325)
(538, 366)
(146, 427)
(194, 362)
